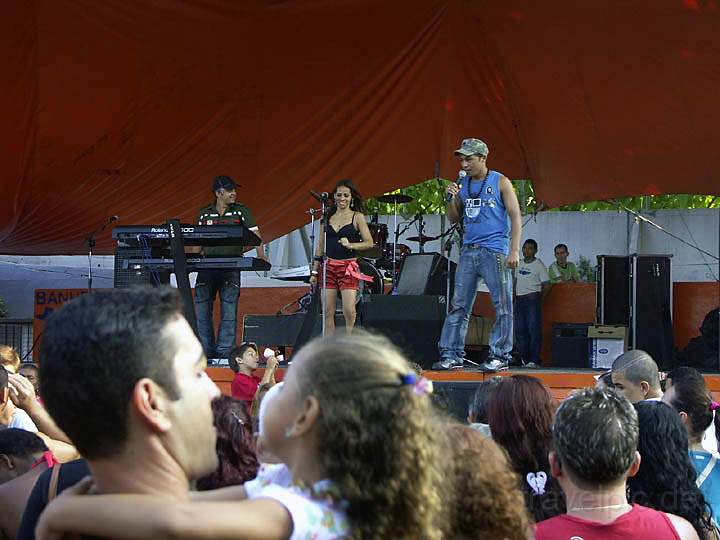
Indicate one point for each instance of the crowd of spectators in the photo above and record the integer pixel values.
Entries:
(348, 445)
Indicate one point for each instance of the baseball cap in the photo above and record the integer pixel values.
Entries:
(224, 182)
(469, 147)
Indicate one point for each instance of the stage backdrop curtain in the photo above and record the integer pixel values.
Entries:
(131, 107)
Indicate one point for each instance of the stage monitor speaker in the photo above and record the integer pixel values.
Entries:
(651, 298)
(282, 330)
(613, 290)
(425, 274)
(570, 345)
(413, 323)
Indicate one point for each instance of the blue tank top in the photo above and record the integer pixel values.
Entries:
(485, 217)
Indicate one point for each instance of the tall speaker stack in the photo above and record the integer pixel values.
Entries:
(636, 292)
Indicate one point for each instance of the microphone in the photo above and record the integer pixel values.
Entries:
(320, 196)
(461, 176)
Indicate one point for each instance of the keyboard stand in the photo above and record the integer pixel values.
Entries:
(177, 246)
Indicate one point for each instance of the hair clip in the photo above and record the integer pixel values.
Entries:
(421, 385)
(537, 482)
(714, 406)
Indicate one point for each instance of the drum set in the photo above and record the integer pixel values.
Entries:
(384, 260)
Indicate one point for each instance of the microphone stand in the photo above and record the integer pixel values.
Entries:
(326, 224)
(448, 248)
(90, 241)
(312, 213)
(421, 231)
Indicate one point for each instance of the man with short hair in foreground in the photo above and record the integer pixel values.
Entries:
(124, 376)
(595, 438)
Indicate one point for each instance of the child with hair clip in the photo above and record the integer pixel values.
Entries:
(359, 457)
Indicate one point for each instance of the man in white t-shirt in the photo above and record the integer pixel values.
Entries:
(532, 284)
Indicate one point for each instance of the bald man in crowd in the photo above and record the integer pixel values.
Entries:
(636, 376)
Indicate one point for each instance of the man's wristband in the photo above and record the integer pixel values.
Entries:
(314, 273)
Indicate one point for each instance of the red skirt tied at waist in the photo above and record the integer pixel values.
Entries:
(343, 274)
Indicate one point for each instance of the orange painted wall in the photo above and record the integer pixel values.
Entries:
(691, 301)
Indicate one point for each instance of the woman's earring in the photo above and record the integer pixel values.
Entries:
(289, 432)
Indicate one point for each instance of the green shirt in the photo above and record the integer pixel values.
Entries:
(558, 274)
(236, 214)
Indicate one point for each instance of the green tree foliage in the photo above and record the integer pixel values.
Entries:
(429, 198)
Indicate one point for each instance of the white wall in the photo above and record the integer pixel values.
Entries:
(586, 233)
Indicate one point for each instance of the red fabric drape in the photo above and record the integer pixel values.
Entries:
(131, 107)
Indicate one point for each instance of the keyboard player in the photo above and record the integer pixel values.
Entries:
(225, 283)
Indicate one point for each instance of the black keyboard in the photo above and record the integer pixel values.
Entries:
(193, 235)
(195, 264)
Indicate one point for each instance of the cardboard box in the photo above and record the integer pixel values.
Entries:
(605, 344)
(479, 329)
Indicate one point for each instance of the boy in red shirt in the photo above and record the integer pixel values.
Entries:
(244, 360)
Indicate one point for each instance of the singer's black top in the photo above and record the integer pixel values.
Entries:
(335, 249)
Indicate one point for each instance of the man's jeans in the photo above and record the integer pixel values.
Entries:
(528, 326)
(476, 262)
(209, 283)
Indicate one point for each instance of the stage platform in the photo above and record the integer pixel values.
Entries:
(560, 381)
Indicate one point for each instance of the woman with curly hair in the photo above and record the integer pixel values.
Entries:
(487, 500)
(666, 478)
(689, 395)
(360, 458)
(520, 415)
(235, 446)
(347, 232)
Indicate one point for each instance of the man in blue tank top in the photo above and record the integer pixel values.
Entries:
(491, 249)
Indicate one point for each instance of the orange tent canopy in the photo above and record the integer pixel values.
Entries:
(131, 107)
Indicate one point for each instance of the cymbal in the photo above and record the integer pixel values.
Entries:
(422, 239)
(399, 198)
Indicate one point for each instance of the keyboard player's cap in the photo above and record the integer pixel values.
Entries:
(224, 182)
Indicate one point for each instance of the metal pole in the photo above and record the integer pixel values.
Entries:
(91, 244)
(394, 274)
(326, 224)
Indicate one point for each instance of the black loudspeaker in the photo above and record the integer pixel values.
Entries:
(613, 290)
(282, 330)
(570, 345)
(651, 300)
(425, 273)
(413, 323)
(636, 291)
